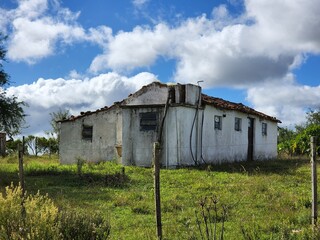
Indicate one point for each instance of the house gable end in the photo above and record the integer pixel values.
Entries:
(152, 94)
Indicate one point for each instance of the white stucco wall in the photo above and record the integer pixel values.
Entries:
(137, 144)
(265, 146)
(225, 145)
(107, 126)
(153, 94)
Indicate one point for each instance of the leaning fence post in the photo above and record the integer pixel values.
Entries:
(314, 213)
(156, 162)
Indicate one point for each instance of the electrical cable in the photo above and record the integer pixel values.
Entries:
(191, 134)
(163, 119)
(192, 127)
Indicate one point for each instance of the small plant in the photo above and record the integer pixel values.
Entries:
(250, 233)
(80, 163)
(210, 219)
(80, 226)
(116, 180)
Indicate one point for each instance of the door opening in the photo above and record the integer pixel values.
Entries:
(250, 139)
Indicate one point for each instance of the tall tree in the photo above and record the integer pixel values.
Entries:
(11, 110)
(55, 118)
(313, 117)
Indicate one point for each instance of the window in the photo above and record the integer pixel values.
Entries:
(218, 122)
(237, 124)
(87, 132)
(148, 121)
(264, 129)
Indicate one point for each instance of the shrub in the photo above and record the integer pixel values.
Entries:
(36, 217)
(79, 226)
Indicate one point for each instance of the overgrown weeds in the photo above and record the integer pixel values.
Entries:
(210, 219)
(265, 200)
(37, 217)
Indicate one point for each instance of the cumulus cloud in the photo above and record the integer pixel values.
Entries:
(48, 95)
(223, 50)
(256, 50)
(128, 50)
(36, 34)
(285, 99)
(38, 28)
(261, 44)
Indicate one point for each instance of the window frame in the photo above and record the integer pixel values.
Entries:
(238, 124)
(87, 132)
(264, 129)
(217, 124)
(148, 121)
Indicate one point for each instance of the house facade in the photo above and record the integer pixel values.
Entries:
(193, 128)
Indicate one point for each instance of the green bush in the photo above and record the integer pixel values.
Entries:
(79, 226)
(36, 217)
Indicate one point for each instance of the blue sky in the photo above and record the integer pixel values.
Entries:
(83, 55)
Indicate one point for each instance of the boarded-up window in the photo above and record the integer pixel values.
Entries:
(148, 121)
(264, 129)
(218, 122)
(237, 124)
(87, 132)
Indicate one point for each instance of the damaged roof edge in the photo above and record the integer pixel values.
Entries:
(87, 113)
(227, 105)
(213, 101)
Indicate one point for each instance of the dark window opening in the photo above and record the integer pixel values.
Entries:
(172, 95)
(148, 121)
(218, 122)
(237, 124)
(87, 132)
(264, 129)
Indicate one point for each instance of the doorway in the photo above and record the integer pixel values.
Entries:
(250, 139)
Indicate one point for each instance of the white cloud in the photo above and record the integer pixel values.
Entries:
(285, 99)
(48, 95)
(263, 43)
(256, 50)
(35, 34)
(139, 3)
(33, 40)
(285, 25)
(128, 50)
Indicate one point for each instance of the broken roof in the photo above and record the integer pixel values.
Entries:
(213, 101)
(224, 104)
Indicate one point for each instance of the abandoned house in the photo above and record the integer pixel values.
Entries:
(192, 128)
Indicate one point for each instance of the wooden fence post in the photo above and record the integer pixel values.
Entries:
(22, 185)
(314, 213)
(21, 170)
(156, 162)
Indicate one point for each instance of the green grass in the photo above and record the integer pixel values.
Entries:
(264, 200)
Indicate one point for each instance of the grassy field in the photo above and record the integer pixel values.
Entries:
(262, 200)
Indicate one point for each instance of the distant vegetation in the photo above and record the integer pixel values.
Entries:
(258, 200)
(295, 142)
